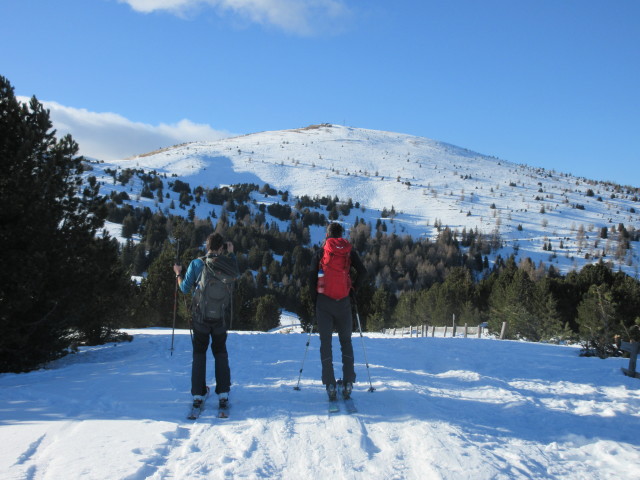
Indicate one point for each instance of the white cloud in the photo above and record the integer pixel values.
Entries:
(301, 17)
(109, 136)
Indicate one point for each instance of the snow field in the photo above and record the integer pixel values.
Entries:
(444, 408)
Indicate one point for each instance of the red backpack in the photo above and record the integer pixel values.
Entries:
(336, 264)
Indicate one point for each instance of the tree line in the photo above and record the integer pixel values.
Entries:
(412, 281)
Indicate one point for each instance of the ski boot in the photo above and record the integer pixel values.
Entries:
(332, 392)
(223, 400)
(347, 388)
(198, 400)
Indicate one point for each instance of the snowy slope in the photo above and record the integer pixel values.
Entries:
(423, 180)
(443, 409)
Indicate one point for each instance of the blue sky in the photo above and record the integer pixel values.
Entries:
(549, 83)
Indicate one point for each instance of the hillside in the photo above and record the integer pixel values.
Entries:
(509, 410)
(548, 216)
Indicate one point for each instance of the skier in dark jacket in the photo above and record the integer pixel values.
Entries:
(330, 280)
(215, 326)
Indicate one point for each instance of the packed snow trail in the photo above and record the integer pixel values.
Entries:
(442, 409)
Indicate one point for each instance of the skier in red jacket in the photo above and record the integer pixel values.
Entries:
(330, 280)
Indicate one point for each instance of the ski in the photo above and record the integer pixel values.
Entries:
(350, 405)
(348, 401)
(195, 412)
(223, 411)
(334, 406)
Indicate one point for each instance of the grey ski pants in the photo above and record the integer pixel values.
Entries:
(336, 314)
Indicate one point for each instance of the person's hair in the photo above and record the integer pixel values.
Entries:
(214, 242)
(334, 230)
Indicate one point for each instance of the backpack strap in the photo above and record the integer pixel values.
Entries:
(202, 277)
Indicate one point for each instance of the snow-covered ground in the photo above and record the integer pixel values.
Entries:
(443, 408)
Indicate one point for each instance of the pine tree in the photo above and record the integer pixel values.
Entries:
(49, 250)
(267, 313)
(156, 307)
(512, 302)
(380, 310)
(129, 226)
(243, 305)
(598, 321)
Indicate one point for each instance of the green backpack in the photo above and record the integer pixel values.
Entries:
(214, 289)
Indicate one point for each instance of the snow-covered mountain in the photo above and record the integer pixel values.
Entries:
(549, 216)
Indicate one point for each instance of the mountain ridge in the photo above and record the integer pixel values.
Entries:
(427, 183)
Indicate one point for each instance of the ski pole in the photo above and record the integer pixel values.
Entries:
(297, 387)
(175, 298)
(355, 303)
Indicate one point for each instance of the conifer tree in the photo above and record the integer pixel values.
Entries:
(244, 307)
(380, 310)
(267, 312)
(598, 321)
(157, 289)
(48, 241)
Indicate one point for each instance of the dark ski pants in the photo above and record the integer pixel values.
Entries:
(218, 337)
(336, 314)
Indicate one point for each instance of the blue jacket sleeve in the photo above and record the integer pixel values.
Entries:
(192, 275)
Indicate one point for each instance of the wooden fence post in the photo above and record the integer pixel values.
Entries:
(503, 331)
(465, 330)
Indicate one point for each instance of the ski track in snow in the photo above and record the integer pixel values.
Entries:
(442, 409)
